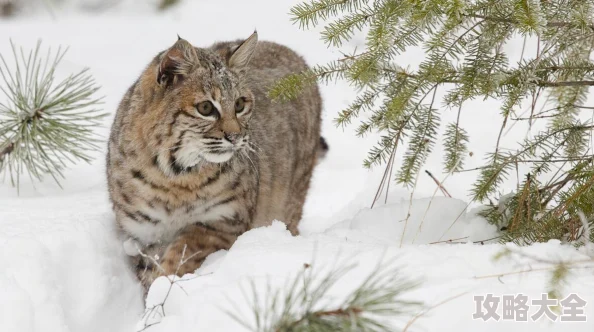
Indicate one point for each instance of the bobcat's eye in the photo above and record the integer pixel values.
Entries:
(205, 108)
(239, 105)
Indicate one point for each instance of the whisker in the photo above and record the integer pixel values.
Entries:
(253, 165)
(253, 145)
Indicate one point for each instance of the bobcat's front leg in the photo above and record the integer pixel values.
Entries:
(188, 250)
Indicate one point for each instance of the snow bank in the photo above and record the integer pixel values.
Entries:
(270, 256)
(61, 268)
(422, 221)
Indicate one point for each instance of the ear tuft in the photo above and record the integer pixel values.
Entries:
(242, 55)
(177, 61)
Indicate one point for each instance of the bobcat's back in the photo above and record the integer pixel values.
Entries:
(287, 134)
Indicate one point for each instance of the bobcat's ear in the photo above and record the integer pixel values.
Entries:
(176, 62)
(242, 55)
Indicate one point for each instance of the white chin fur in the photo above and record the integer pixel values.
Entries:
(218, 158)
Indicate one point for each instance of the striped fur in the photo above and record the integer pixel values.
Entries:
(180, 177)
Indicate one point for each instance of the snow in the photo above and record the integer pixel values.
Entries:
(63, 270)
(269, 255)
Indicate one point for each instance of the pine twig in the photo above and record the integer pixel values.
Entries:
(414, 319)
(441, 187)
(565, 83)
(512, 21)
(433, 197)
(172, 282)
(549, 268)
(450, 240)
(485, 240)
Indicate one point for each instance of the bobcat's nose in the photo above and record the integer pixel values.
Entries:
(232, 137)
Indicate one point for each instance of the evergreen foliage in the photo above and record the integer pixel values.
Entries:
(45, 124)
(464, 42)
(307, 303)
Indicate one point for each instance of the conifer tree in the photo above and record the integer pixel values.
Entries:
(464, 43)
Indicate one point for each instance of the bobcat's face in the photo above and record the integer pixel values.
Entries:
(206, 107)
(210, 118)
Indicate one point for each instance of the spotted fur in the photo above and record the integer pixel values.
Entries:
(182, 179)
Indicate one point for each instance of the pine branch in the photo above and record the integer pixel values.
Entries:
(337, 32)
(465, 45)
(303, 305)
(511, 21)
(290, 86)
(45, 125)
(570, 83)
(307, 14)
(455, 145)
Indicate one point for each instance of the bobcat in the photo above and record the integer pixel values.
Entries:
(198, 154)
